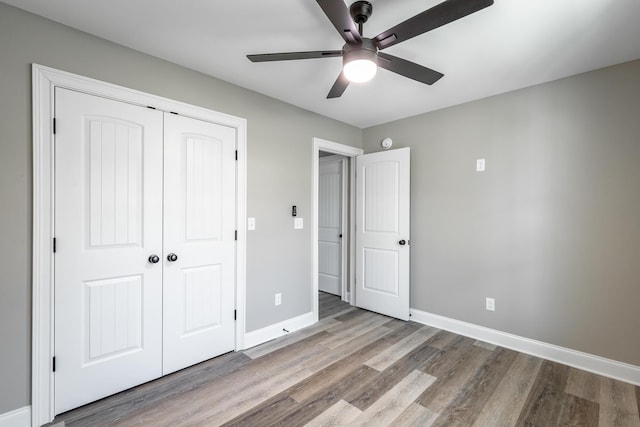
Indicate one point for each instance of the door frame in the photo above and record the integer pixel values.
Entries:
(44, 81)
(344, 222)
(351, 153)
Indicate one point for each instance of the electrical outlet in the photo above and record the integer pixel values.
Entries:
(480, 163)
(298, 223)
(491, 304)
(251, 223)
(278, 299)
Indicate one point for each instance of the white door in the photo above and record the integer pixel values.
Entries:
(330, 251)
(200, 191)
(126, 310)
(108, 222)
(382, 232)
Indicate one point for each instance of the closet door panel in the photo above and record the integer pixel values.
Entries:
(108, 221)
(199, 241)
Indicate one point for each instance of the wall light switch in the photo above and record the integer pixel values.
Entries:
(278, 299)
(251, 223)
(480, 165)
(298, 223)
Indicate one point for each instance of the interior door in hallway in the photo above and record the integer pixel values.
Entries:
(330, 224)
(108, 225)
(383, 232)
(199, 241)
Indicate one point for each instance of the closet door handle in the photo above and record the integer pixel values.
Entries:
(154, 259)
(172, 257)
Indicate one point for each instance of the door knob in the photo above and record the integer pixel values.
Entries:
(172, 257)
(402, 242)
(154, 259)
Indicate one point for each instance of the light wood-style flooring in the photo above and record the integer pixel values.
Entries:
(355, 367)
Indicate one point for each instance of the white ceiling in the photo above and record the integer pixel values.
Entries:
(510, 45)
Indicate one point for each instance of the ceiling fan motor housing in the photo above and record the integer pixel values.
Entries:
(366, 49)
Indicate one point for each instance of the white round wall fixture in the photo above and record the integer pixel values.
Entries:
(386, 143)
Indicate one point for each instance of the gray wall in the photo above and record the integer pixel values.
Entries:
(551, 230)
(279, 174)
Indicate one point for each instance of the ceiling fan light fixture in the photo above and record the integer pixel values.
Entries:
(360, 70)
(360, 62)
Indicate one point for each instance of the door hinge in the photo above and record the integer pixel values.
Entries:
(53, 364)
(54, 125)
(236, 237)
(235, 314)
(236, 154)
(54, 245)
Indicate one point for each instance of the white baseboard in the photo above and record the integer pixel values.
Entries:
(577, 359)
(19, 418)
(251, 339)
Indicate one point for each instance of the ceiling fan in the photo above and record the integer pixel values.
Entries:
(361, 56)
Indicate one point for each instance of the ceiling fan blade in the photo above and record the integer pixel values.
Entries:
(294, 55)
(338, 87)
(338, 14)
(439, 15)
(408, 69)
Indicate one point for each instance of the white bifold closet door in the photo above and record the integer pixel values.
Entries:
(199, 228)
(132, 187)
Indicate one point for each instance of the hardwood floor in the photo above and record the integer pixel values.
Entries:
(330, 304)
(355, 367)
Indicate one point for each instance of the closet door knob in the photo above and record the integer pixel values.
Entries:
(154, 259)
(402, 242)
(172, 257)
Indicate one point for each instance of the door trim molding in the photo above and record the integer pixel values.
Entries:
(345, 265)
(347, 151)
(44, 81)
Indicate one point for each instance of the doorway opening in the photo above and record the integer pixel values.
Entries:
(333, 255)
